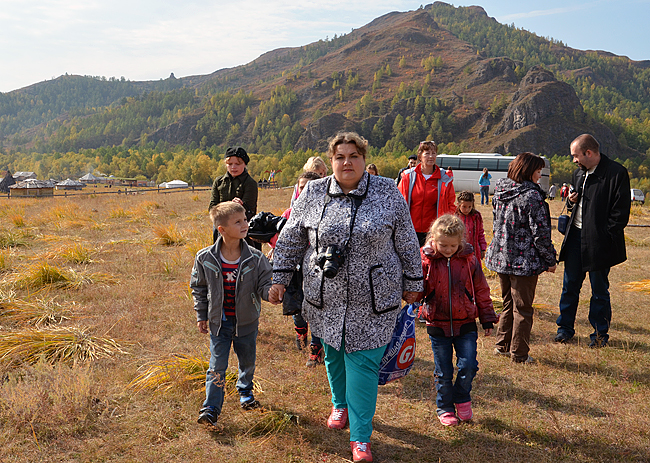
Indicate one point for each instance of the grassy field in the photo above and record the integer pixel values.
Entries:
(95, 294)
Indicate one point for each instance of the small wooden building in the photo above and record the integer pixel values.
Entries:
(70, 184)
(32, 188)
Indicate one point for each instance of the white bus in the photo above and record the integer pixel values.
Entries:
(468, 167)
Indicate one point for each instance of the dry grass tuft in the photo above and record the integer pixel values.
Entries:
(75, 253)
(180, 371)
(272, 422)
(641, 286)
(39, 312)
(10, 239)
(119, 213)
(169, 235)
(53, 345)
(42, 274)
(18, 220)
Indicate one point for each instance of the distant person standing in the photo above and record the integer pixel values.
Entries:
(564, 192)
(595, 239)
(484, 184)
(372, 169)
(236, 185)
(413, 161)
(552, 191)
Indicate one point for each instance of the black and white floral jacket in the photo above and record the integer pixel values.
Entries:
(382, 259)
(522, 230)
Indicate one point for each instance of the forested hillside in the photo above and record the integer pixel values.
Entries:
(450, 74)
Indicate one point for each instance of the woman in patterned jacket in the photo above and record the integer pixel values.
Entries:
(520, 250)
(353, 235)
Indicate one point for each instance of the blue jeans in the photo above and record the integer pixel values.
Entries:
(448, 392)
(485, 193)
(215, 379)
(600, 307)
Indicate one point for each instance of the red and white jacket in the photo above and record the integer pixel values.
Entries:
(429, 198)
(456, 292)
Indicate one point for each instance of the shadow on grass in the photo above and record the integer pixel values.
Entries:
(602, 368)
(500, 388)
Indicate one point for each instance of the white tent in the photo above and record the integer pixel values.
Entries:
(174, 184)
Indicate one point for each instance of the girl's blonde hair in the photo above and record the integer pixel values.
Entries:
(315, 164)
(467, 196)
(448, 225)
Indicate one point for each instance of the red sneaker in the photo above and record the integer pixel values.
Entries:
(448, 419)
(464, 411)
(361, 451)
(338, 418)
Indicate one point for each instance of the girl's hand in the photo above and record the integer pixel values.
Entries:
(552, 269)
(276, 293)
(488, 332)
(238, 201)
(482, 255)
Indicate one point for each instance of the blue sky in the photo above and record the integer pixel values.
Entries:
(147, 40)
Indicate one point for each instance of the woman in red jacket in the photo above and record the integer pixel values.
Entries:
(429, 191)
(456, 293)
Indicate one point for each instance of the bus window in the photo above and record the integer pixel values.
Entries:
(491, 164)
(448, 161)
(468, 164)
(504, 163)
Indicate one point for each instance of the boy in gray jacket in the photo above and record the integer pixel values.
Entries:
(228, 282)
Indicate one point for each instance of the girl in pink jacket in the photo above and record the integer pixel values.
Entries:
(474, 232)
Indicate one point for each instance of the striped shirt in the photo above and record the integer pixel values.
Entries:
(229, 270)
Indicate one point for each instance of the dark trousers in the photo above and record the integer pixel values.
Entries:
(516, 321)
(600, 307)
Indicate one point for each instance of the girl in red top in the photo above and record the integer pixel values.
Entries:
(474, 232)
(429, 191)
(456, 293)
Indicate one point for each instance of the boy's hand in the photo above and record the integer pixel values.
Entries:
(276, 293)
(202, 326)
(488, 332)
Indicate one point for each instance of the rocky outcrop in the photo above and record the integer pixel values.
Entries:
(540, 97)
(495, 68)
(317, 133)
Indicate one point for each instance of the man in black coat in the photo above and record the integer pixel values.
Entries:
(595, 240)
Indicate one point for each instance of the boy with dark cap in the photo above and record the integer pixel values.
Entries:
(413, 161)
(236, 185)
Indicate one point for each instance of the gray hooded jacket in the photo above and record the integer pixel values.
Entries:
(522, 230)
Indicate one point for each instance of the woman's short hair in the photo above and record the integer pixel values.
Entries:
(524, 166)
(425, 145)
(347, 137)
(315, 164)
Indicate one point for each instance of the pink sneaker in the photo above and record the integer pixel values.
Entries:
(338, 418)
(361, 451)
(464, 411)
(448, 419)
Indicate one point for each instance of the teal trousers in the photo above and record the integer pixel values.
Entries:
(354, 380)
